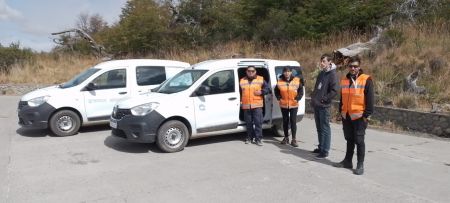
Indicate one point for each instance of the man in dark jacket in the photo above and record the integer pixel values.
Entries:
(325, 89)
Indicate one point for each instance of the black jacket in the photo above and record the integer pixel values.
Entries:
(368, 96)
(325, 89)
(299, 91)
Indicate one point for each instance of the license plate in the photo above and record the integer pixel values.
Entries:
(113, 123)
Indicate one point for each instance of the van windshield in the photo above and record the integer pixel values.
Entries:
(79, 78)
(181, 81)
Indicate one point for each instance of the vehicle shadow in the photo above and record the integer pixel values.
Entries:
(123, 145)
(46, 132)
(215, 139)
(33, 132)
(306, 155)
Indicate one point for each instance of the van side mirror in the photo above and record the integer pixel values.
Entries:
(202, 90)
(89, 87)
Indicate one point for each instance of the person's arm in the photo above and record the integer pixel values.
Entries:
(368, 98)
(277, 92)
(340, 104)
(265, 88)
(299, 92)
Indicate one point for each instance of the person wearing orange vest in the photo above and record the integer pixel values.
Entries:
(253, 88)
(356, 106)
(288, 91)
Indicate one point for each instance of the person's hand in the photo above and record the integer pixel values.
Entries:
(366, 120)
(258, 92)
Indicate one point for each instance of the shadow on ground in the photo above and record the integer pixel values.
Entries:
(123, 145)
(306, 155)
(33, 132)
(46, 132)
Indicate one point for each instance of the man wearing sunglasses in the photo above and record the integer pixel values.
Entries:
(253, 89)
(356, 106)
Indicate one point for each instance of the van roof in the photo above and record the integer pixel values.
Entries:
(240, 62)
(140, 62)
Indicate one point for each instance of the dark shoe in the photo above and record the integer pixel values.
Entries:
(322, 156)
(343, 164)
(259, 143)
(294, 143)
(285, 141)
(247, 140)
(316, 151)
(359, 169)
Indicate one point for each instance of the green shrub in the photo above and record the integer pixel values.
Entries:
(12, 55)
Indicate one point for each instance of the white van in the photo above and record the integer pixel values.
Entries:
(89, 97)
(203, 100)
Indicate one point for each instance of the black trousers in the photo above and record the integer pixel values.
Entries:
(289, 118)
(354, 132)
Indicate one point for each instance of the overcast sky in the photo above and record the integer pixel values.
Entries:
(30, 22)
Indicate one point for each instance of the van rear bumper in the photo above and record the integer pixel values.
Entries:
(142, 129)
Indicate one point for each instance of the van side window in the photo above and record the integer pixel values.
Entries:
(111, 79)
(296, 72)
(220, 82)
(150, 75)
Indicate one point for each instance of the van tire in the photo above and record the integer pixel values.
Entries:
(65, 123)
(278, 131)
(172, 136)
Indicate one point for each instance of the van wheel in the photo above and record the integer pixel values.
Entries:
(172, 136)
(278, 131)
(65, 123)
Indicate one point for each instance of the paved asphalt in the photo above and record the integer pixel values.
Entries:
(92, 166)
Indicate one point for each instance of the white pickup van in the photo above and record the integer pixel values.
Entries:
(89, 97)
(199, 101)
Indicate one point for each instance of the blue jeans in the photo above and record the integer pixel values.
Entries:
(322, 118)
(253, 119)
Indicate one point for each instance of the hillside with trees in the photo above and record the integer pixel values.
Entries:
(415, 40)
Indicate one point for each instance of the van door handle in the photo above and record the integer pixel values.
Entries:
(232, 98)
(122, 92)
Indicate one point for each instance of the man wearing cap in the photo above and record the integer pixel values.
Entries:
(356, 106)
(325, 89)
(253, 88)
(288, 91)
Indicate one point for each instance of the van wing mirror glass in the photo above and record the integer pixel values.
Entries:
(91, 86)
(202, 90)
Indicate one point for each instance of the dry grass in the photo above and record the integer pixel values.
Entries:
(48, 69)
(422, 45)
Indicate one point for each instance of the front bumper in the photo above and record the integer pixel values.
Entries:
(34, 117)
(141, 129)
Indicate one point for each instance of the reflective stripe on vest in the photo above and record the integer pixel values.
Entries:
(353, 96)
(249, 100)
(288, 91)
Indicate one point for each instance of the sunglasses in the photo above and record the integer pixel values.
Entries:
(353, 66)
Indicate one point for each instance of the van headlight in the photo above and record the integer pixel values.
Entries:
(37, 101)
(144, 109)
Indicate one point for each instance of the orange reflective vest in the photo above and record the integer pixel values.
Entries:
(353, 99)
(249, 99)
(288, 92)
